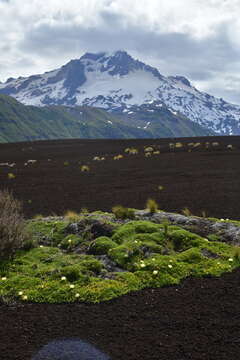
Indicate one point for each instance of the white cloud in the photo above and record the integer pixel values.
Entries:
(197, 38)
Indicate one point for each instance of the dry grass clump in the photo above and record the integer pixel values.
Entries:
(152, 206)
(85, 168)
(178, 145)
(11, 176)
(131, 151)
(72, 216)
(118, 157)
(186, 212)
(148, 149)
(12, 225)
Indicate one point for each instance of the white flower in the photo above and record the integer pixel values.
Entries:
(72, 286)
(205, 239)
(153, 259)
(142, 265)
(24, 297)
(222, 220)
(230, 259)
(41, 246)
(155, 272)
(170, 260)
(136, 241)
(77, 295)
(170, 266)
(218, 263)
(69, 240)
(20, 293)
(125, 255)
(63, 278)
(4, 278)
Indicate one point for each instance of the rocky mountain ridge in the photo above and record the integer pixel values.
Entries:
(119, 83)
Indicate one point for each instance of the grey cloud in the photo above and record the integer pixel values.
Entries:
(172, 53)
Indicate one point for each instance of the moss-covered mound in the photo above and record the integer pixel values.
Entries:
(69, 262)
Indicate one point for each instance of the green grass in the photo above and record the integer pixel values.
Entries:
(28, 123)
(148, 255)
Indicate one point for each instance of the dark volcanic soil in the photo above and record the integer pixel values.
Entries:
(198, 320)
(202, 180)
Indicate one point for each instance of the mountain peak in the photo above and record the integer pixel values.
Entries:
(92, 56)
(117, 81)
(182, 79)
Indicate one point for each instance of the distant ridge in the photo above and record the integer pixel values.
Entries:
(19, 122)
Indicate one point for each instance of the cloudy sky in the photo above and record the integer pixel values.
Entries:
(199, 39)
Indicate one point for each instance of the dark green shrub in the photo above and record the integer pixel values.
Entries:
(122, 212)
(12, 225)
(101, 246)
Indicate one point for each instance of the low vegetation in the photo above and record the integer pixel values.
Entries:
(99, 256)
(12, 225)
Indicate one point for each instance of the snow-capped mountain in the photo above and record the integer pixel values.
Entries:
(121, 84)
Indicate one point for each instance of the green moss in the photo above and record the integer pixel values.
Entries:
(183, 240)
(126, 232)
(50, 274)
(213, 237)
(74, 273)
(126, 254)
(47, 232)
(70, 242)
(101, 245)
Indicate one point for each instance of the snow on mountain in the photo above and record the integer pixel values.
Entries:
(117, 82)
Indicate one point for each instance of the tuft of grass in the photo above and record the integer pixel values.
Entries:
(72, 216)
(118, 157)
(38, 217)
(152, 206)
(11, 176)
(122, 212)
(186, 212)
(84, 210)
(85, 168)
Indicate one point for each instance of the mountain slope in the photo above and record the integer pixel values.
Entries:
(117, 82)
(19, 122)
